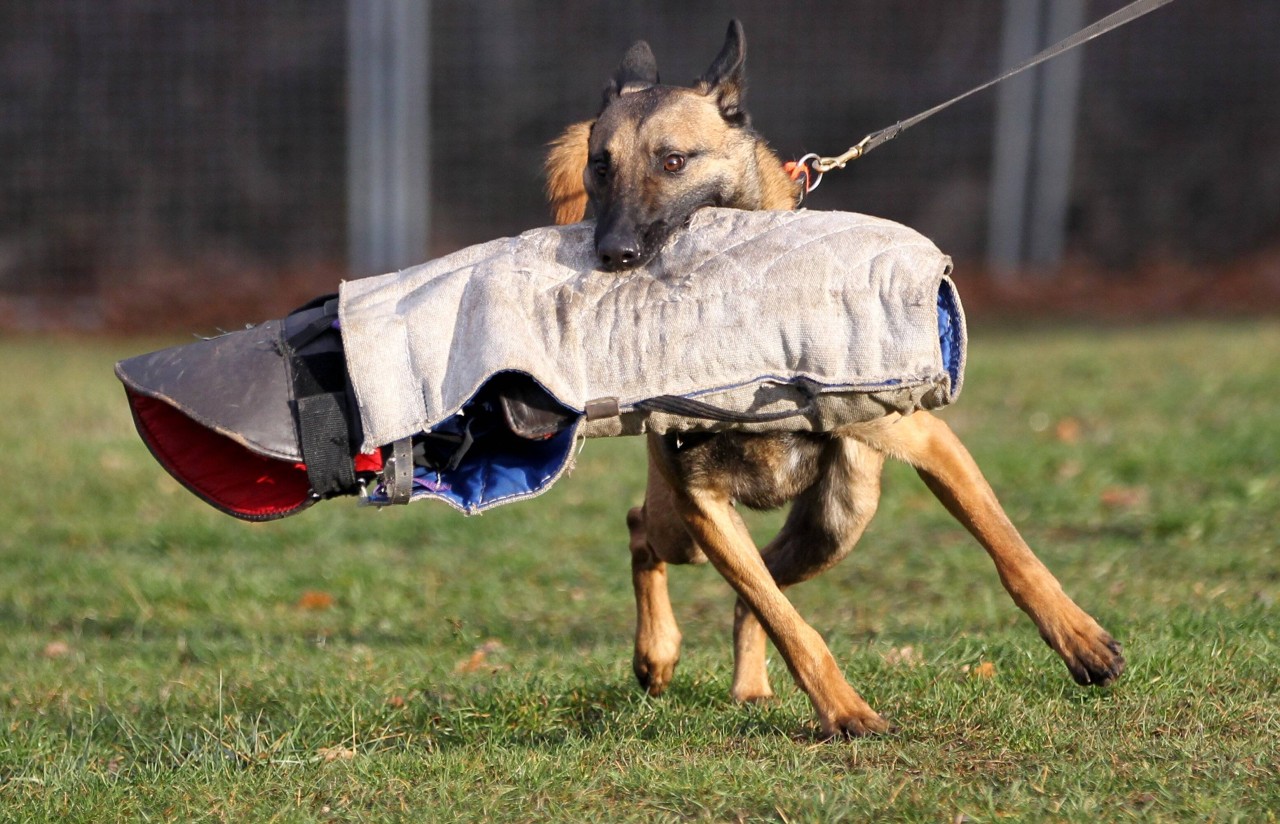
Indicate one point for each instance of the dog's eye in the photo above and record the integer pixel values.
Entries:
(673, 162)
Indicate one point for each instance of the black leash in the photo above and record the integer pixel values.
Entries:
(1129, 13)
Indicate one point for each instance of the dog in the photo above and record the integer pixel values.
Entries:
(653, 155)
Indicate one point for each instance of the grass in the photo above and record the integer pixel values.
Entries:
(163, 662)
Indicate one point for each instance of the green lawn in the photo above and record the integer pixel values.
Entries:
(162, 661)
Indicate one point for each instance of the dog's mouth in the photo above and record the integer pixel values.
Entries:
(620, 255)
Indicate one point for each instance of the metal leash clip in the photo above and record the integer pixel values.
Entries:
(822, 165)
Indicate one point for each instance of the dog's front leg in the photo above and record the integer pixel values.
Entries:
(928, 444)
(841, 711)
(657, 645)
(657, 538)
(824, 524)
(709, 516)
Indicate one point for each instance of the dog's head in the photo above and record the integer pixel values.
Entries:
(655, 154)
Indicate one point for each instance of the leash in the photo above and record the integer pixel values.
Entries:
(813, 163)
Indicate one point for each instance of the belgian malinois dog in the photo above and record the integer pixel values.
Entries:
(653, 156)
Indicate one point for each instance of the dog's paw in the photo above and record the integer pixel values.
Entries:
(1092, 656)
(860, 725)
(750, 681)
(654, 674)
(1100, 665)
(755, 694)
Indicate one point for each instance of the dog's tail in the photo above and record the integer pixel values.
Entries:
(566, 162)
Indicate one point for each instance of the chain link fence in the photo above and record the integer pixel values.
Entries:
(164, 163)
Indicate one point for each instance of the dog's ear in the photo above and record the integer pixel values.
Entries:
(637, 71)
(727, 76)
(565, 165)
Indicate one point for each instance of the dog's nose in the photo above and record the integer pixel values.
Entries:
(616, 256)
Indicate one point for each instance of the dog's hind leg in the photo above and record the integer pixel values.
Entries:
(658, 537)
(657, 646)
(824, 524)
(928, 444)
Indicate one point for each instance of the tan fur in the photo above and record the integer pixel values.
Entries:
(777, 189)
(769, 186)
(566, 160)
(832, 481)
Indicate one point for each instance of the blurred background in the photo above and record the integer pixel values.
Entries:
(168, 165)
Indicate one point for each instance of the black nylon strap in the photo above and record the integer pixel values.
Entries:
(325, 444)
(320, 398)
(690, 408)
(317, 327)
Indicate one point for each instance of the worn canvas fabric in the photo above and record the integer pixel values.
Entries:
(744, 311)
(482, 369)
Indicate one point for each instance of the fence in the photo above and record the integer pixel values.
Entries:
(189, 161)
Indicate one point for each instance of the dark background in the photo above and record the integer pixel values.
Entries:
(167, 164)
